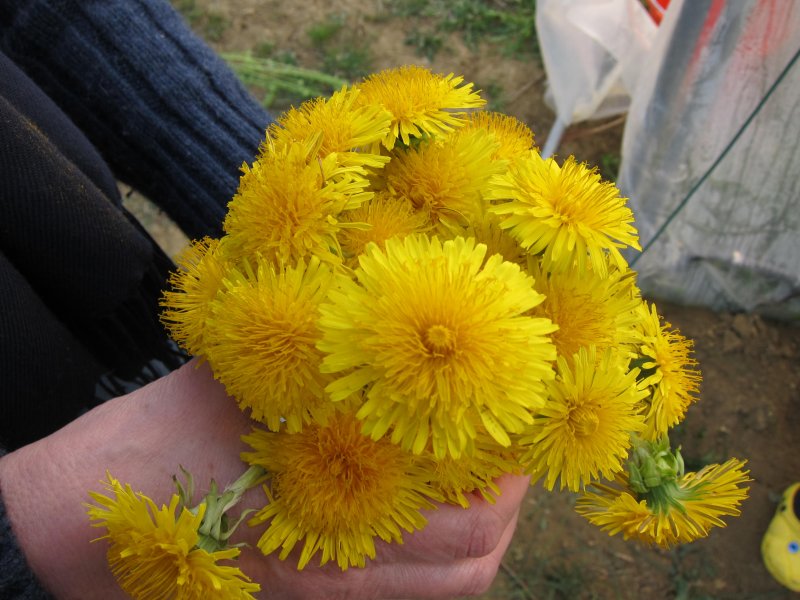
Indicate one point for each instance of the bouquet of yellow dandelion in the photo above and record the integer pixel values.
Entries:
(409, 301)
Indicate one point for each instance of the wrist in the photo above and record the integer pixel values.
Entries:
(48, 522)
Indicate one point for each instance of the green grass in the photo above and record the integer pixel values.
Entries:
(337, 50)
(264, 50)
(564, 581)
(495, 96)
(189, 10)
(349, 63)
(687, 570)
(215, 26)
(426, 43)
(280, 84)
(339, 56)
(609, 166)
(551, 579)
(324, 32)
(210, 25)
(508, 24)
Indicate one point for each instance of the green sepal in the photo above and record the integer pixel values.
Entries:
(216, 528)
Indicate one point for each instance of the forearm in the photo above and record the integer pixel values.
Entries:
(165, 112)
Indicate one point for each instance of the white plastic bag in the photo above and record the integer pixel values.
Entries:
(593, 52)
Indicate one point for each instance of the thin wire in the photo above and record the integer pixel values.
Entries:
(719, 159)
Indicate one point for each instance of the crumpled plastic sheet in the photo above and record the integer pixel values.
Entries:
(735, 244)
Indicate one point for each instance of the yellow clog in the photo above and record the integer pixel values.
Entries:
(780, 547)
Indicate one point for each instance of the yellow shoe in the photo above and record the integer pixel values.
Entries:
(780, 547)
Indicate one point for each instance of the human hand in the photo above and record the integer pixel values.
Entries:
(187, 419)
(457, 554)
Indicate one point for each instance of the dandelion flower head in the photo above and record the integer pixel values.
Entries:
(590, 309)
(153, 552)
(668, 368)
(514, 138)
(446, 179)
(335, 491)
(564, 212)
(486, 230)
(194, 285)
(675, 512)
(288, 202)
(345, 128)
(375, 221)
(420, 102)
(263, 336)
(461, 480)
(584, 431)
(436, 333)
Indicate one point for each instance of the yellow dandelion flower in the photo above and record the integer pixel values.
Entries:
(514, 138)
(438, 336)
(584, 430)
(420, 102)
(458, 479)
(566, 213)
(376, 221)
(287, 204)
(667, 367)
(590, 309)
(486, 230)
(261, 342)
(334, 490)
(676, 512)
(446, 179)
(195, 283)
(154, 554)
(344, 128)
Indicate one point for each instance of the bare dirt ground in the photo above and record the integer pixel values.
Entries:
(751, 367)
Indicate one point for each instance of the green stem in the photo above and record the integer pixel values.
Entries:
(216, 528)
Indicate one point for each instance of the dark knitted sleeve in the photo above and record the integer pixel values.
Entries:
(17, 581)
(164, 110)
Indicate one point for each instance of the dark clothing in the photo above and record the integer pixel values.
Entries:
(92, 92)
(124, 80)
(163, 110)
(79, 280)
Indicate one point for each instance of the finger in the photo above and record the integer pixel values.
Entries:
(379, 580)
(453, 532)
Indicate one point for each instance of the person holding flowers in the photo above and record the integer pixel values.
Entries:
(90, 93)
(410, 302)
(187, 418)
